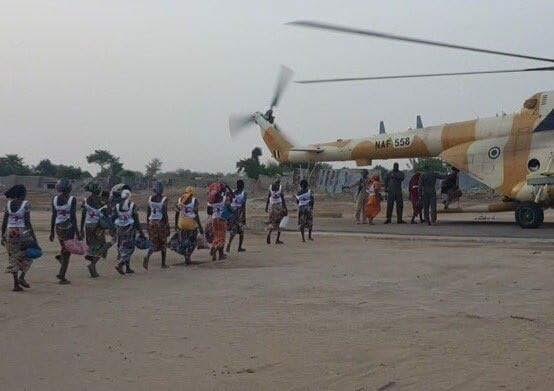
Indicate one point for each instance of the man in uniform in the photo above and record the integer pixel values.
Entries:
(393, 186)
(428, 183)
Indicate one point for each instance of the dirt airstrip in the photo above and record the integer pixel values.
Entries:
(361, 312)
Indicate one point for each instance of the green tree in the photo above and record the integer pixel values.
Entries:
(109, 164)
(251, 166)
(153, 168)
(13, 164)
(130, 174)
(46, 168)
(70, 172)
(429, 164)
(272, 169)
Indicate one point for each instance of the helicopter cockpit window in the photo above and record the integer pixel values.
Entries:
(533, 165)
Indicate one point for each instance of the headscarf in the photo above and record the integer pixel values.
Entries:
(17, 191)
(158, 188)
(93, 188)
(117, 189)
(125, 199)
(187, 194)
(115, 192)
(63, 186)
(275, 186)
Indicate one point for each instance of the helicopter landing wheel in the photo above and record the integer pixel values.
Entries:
(529, 216)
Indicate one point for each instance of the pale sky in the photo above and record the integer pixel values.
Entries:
(159, 78)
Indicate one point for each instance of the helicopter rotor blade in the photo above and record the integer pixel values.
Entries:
(239, 122)
(346, 79)
(377, 34)
(285, 76)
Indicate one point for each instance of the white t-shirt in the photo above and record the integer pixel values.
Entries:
(17, 219)
(156, 209)
(63, 212)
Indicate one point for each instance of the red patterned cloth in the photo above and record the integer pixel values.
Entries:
(219, 232)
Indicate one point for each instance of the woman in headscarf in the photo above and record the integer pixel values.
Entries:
(277, 209)
(361, 197)
(114, 199)
(373, 191)
(17, 232)
(218, 198)
(187, 222)
(305, 200)
(93, 208)
(416, 197)
(127, 225)
(238, 219)
(64, 224)
(158, 224)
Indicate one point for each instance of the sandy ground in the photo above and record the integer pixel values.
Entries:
(341, 313)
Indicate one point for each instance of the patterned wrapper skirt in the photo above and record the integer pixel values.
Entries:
(373, 206)
(126, 243)
(15, 243)
(158, 232)
(275, 215)
(236, 224)
(188, 241)
(305, 217)
(96, 241)
(65, 231)
(219, 230)
(417, 204)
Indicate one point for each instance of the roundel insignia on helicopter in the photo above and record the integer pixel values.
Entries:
(494, 152)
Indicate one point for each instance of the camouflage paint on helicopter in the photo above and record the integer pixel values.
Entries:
(498, 151)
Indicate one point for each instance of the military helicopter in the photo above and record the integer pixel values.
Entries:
(512, 154)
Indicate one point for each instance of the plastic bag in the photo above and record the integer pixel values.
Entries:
(143, 244)
(74, 246)
(33, 252)
(228, 213)
(284, 222)
(175, 244)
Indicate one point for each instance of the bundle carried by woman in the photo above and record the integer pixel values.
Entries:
(216, 192)
(186, 223)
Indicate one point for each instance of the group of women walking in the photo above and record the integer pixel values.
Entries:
(276, 206)
(111, 218)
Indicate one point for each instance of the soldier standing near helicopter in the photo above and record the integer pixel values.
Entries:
(393, 185)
